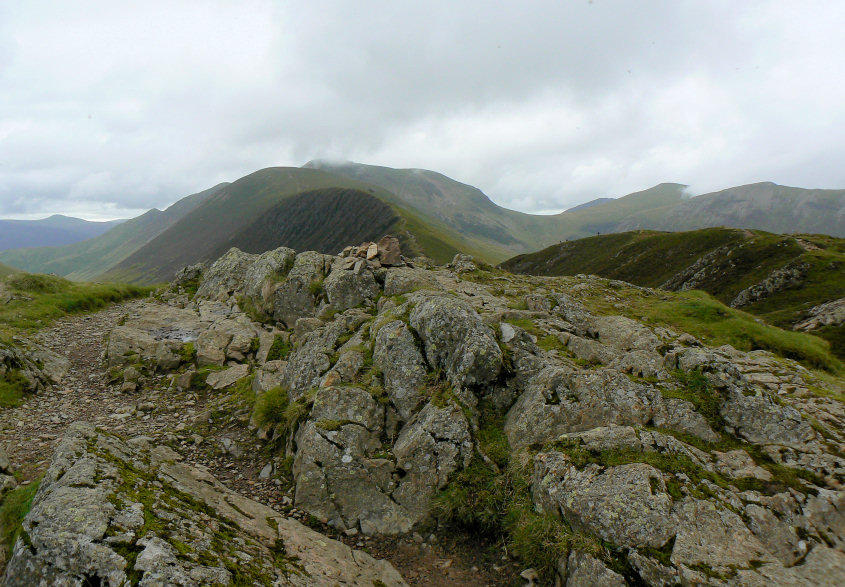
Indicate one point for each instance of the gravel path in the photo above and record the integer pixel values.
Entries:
(197, 428)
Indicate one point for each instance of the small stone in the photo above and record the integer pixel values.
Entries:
(417, 538)
(351, 531)
(266, 471)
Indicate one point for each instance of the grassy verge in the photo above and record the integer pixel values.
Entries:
(493, 498)
(39, 299)
(715, 324)
(13, 508)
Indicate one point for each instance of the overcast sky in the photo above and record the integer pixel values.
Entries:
(110, 108)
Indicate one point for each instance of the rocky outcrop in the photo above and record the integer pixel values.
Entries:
(792, 275)
(32, 366)
(299, 295)
(663, 460)
(457, 340)
(226, 275)
(395, 352)
(263, 277)
(827, 314)
(112, 512)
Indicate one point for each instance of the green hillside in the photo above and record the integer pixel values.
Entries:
(5, 270)
(89, 258)
(723, 262)
(296, 207)
(468, 211)
(431, 213)
(765, 206)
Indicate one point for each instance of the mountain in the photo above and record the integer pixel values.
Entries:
(89, 258)
(294, 207)
(780, 278)
(464, 209)
(323, 205)
(765, 206)
(589, 204)
(52, 231)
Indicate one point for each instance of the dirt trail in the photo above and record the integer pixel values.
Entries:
(232, 453)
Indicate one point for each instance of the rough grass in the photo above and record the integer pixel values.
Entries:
(12, 387)
(742, 259)
(495, 500)
(279, 349)
(40, 299)
(715, 324)
(13, 509)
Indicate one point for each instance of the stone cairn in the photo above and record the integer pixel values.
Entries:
(384, 253)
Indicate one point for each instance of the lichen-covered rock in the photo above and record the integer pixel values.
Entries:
(585, 570)
(827, 314)
(627, 505)
(403, 280)
(211, 347)
(625, 334)
(709, 534)
(433, 445)
(264, 275)
(560, 400)
(791, 275)
(226, 275)
(347, 289)
(395, 352)
(116, 513)
(187, 275)
(297, 296)
(457, 340)
(227, 377)
(312, 359)
(463, 263)
(338, 477)
(761, 420)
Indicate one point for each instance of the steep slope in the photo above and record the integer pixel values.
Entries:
(87, 259)
(462, 207)
(777, 277)
(294, 207)
(470, 212)
(53, 231)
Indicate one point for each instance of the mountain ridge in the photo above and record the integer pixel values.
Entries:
(441, 215)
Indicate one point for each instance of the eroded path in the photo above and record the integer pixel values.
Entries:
(189, 422)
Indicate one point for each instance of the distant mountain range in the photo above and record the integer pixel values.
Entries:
(325, 206)
(780, 278)
(53, 231)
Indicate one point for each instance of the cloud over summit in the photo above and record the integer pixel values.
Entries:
(108, 108)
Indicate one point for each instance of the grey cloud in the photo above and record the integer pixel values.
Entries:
(542, 104)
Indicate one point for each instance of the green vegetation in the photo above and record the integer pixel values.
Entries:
(13, 508)
(5, 271)
(737, 259)
(188, 353)
(279, 349)
(273, 409)
(493, 498)
(38, 299)
(12, 387)
(715, 324)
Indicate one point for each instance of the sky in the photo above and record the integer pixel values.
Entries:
(109, 108)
